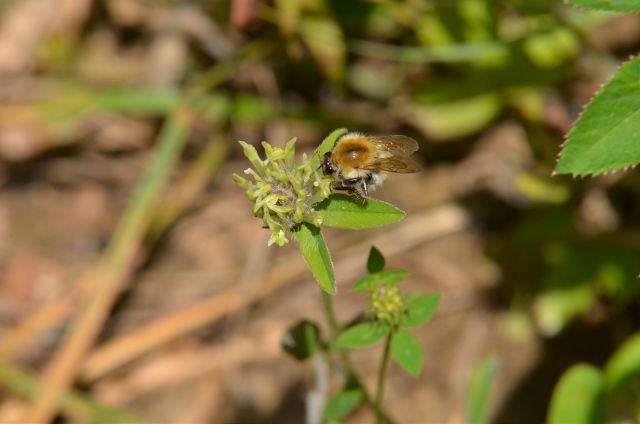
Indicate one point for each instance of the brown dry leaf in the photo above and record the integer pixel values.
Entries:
(621, 32)
(13, 411)
(597, 214)
(497, 158)
(167, 60)
(23, 133)
(118, 134)
(104, 62)
(25, 25)
(242, 12)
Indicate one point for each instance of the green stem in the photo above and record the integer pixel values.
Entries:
(334, 327)
(382, 373)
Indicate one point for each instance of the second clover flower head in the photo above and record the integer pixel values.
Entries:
(387, 303)
(283, 192)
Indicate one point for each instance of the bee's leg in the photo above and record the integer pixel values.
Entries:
(364, 185)
(353, 187)
(359, 187)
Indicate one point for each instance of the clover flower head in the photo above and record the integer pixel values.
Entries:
(387, 303)
(283, 193)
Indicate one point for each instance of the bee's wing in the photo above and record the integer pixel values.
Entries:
(399, 164)
(399, 145)
(392, 154)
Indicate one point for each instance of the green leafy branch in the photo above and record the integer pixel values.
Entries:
(391, 314)
(605, 137)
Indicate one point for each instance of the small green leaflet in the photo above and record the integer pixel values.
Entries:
(301, 340)
(362, 335)
(577, 397)
(342, 404)
(406, 351)
(326, 146)
(386, 276)
(480, 391)
(420, 310)
(315, 252)
(611, 5)
(375, 262)
(605, 138)
(342, 211)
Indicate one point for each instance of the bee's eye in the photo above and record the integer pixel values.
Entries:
(327, 165)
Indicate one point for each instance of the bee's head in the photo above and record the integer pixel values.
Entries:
(327, 165)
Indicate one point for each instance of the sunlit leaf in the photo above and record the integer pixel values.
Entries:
(315, 252)
(541, 189)
(577, 398)
(375, 81)
(288, 15)
(362, 335)
(624, 366)
(420, 310)
(551, 48)
(556, 307)
(326, 43)
(480, 391)
(406, 351)
(341, 404)
(342, 211)
(605, 137)
(612, 5)
(443, 121)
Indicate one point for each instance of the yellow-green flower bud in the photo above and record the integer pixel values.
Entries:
(387, 303)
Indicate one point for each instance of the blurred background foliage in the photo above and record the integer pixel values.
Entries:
(488, 87)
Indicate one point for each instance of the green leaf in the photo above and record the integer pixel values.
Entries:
(541, 189)
(375, 262)
(624, 367)
(326, 44)
(605, 136)
(315, 252)
(420, 310)
(386, 276)
(288, 15)
(449, 120)
(577, 398)
(341, 404)
(480, 391)
(406, 351)
(326, 146)
(362, 335)
(301, 340)
(555, 308)
(578, 275)
(342, 211)
(612, 5)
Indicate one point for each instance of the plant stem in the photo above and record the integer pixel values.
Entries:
(330, 315)
(382, 373)
(334, 327)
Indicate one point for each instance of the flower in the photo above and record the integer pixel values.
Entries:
(387, 303)
(283, 193)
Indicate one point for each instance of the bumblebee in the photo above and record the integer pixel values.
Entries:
(358, 163)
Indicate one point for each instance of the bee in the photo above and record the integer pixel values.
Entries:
(358, 163)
